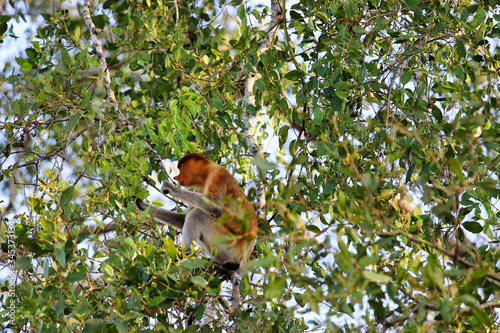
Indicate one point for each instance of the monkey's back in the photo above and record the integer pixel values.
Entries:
(227, 186)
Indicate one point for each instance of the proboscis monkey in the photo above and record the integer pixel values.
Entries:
(219, 218)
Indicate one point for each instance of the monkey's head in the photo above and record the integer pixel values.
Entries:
(192, 170)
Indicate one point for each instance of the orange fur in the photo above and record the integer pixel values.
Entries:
(215, 182)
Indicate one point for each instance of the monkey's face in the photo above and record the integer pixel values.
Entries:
(192, 171)
(186, 173)
(180, 179)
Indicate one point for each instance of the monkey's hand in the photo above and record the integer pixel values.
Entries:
(168, 187)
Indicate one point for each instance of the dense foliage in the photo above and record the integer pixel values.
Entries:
(379, 123)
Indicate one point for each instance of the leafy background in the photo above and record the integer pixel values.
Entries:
(378, 121)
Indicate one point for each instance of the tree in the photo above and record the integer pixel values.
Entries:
(377, 129)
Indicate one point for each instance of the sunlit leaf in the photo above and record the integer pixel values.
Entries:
(377, 277)
(262, 163)
(193, 263)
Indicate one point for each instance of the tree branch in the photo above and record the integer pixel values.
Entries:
(99, 52)
(249, 136)
(451, 255)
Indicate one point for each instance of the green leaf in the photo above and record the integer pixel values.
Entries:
(456, 168)
(3, 29)
(472, 9)
(75, 276)
(464, 15)
(377, 277)
(406, 77)
(295, 74)
(61, 255)
(100, 21)
(26, 66)
(385, 194)
(156, 301)
(78, 33)
(479, 17)
(313, 228)
(67, 196)
(170, 248)
(359, 30)
(262, 163)
(114, 260)
(473, 227)
(193, 263)
(86, 97)
(240, 12)
(318, 113)
(192, 107)
(342, 85)
(4, 18)
(244, 286)
(200, 311)
(66, 57)
(222, 122)
(217, 103)
(412, 3)
(459, 72)
(6, 173)
(283, 134)
(82, 309)
(198, 280)
(60, 306)
(275, 287)
(264, 262)
(125, 251)
(71, 123)
(342, 93)
(482, 317)
(412, 52)
(460, 48)
(125, 173)
(106, 269)
(157, 203)
(23, 263)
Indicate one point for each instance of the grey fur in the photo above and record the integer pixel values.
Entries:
(198, 224)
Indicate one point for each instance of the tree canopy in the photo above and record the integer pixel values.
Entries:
(365, 132)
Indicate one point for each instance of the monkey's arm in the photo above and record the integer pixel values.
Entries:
(208, 204)
(164, 216)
